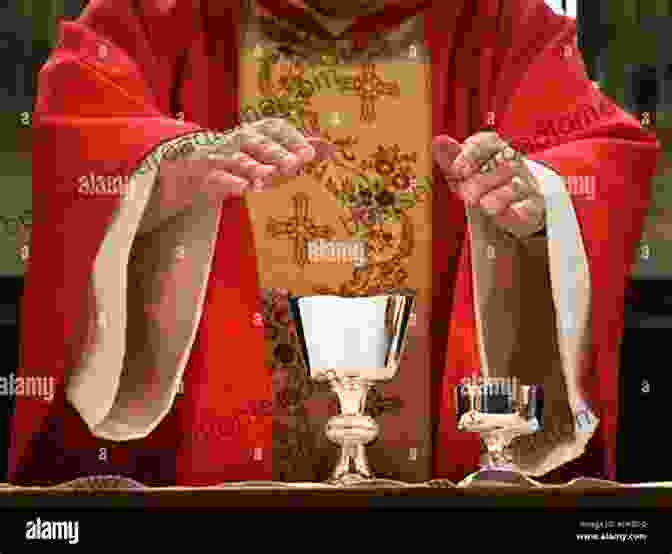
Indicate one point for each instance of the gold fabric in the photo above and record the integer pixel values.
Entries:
(375, 106)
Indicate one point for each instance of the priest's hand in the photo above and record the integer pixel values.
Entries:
(252, 157)
(486, 172)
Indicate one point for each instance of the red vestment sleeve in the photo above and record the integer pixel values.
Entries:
(102, 107)
(560, 119)
(513, 66)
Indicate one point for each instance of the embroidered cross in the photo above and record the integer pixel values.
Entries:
(370, 88)
(300, 228)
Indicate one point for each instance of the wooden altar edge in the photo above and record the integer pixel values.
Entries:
(579, 494)
(125, 484)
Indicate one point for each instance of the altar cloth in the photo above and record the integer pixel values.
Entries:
(113, 482)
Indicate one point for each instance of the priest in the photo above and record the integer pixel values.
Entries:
(136, 287)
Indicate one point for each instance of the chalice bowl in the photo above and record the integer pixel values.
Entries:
(499, 410)
(352, 343)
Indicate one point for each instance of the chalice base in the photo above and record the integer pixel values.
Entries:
(501, 474)
(497, 462)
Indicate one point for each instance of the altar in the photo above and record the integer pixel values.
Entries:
(121, 492)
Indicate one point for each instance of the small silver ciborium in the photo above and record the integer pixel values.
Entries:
(352, 343)
(499, 410)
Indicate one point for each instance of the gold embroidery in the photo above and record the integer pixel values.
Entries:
(287, 72)
(300, 228)
(370, 88)
(377, 193)
(380, 277)
(288, 87)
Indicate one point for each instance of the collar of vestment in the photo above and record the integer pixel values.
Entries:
(296, 18)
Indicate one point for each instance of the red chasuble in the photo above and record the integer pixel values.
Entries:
(109, 96)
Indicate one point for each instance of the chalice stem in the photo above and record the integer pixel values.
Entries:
(499, 454)
(352, 394)
(352, 430)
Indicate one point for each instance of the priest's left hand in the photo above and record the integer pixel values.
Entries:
(486, 172)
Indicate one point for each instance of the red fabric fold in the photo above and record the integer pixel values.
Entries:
(87, 120)
(530, 44)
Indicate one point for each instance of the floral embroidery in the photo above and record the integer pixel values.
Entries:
(377, 193)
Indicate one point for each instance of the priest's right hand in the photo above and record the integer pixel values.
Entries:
(253, 157)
